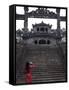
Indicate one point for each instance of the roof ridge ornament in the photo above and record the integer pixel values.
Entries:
(42, 22)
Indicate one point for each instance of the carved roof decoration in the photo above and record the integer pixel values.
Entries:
(42, 12)
(42, 24)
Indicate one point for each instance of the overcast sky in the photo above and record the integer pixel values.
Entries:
(20, 23)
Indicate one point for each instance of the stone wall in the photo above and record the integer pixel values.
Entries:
(31, 41)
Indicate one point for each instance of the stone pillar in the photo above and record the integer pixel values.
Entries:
(58, 21)
(58, 18)
(26, 19)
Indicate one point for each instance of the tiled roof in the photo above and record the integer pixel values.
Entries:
(42, 24)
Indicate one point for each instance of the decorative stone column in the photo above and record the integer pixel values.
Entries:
(58, 21)
(58, 18)
(26, 19)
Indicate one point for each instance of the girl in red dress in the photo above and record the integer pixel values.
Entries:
(28, 72)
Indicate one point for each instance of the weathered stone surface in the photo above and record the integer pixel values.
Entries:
(48, 61)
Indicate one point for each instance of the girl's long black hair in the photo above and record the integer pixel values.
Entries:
(27, 67)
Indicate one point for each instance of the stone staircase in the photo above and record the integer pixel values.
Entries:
(49, 64)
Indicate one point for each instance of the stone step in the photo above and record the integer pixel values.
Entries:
(44, 78)
(41, 77)
(41, 81)
(48, 70)
(44, 75)
(48, 80)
